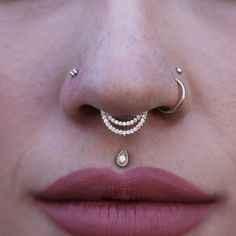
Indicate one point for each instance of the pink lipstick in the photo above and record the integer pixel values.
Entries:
(139, 202)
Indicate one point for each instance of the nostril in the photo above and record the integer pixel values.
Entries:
(163, 108)
(88, 111)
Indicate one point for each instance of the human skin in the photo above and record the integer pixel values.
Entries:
(125, 50)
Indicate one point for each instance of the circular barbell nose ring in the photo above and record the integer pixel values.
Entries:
(179, 103)
(134, 125)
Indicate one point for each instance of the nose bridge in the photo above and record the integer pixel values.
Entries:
(128, 30)
(125, 60)
(125, 20)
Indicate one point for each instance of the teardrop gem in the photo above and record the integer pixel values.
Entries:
(122, 158)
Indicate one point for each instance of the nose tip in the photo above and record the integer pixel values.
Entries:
(122, 98)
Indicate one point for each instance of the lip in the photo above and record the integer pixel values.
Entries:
(141, 201)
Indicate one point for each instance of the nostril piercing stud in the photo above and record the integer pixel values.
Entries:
(179, 70)
(74, 73)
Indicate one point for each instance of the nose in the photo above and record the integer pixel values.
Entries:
(127, 70)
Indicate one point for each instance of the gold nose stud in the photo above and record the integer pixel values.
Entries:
(179, 70)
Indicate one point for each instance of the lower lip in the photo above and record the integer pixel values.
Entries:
(105, 218)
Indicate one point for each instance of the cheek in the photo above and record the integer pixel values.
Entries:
(31, 74)
(211, 75)
(30, 79)
(25, 102)
(211, 71)
(21, 115)
(23, 105)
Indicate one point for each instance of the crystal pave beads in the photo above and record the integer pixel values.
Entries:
(133, 125)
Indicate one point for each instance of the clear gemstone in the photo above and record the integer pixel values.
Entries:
(122, 158)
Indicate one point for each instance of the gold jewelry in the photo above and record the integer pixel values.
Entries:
(179, 70)
(181, 98)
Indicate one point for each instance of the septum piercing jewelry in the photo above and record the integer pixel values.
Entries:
(138, 121)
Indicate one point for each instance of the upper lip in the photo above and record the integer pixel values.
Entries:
(137, 184)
